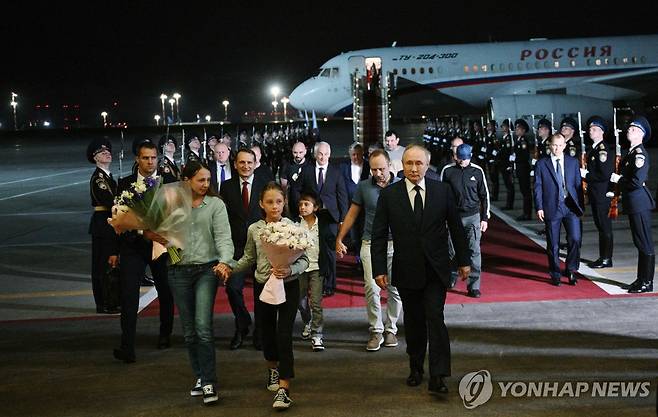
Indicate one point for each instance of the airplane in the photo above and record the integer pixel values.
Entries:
(505, 80)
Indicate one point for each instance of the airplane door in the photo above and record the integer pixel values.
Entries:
(356, 64)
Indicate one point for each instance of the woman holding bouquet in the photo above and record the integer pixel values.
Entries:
(193, 281)
(277, 320)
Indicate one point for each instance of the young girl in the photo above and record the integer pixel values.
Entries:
(193, 282)
(277, 320)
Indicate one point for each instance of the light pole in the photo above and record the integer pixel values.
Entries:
(172, 102)
(163, 97)
(285, 101)
(104, 116)
(177, 96)
(14, 104)
(275, 90)
(274, 104)
(157, 119)
(225, 103)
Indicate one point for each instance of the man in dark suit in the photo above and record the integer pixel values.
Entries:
(354, 171)
(135, 253)
(220, 167)
(326, 180)
(419, 212)
(241, 195)
(558, 198)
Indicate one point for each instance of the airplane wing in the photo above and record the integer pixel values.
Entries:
(644, 80)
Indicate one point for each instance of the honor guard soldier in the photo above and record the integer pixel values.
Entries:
(493, 149)
(479, 146)
(544, 127)
(104, 242)
(523, 151)
(600, 165)
(505, 164)
(210, 148)
(568, 129)
(638, 202)
(167, 168)
(193, 145)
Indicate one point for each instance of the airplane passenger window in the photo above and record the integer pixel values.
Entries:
(634, 60)
(510, 66)
(465, 68)
(519, 66)
(395, 71)
(404, 71)
(597, 62)
(625, 60)
(493, 67)
(422, 70)
(475, 68)
(573, 62)
(547, 64)
(484, 68)
(430, 70)
(528, 65)
(439, 70)
(537, 64)
(643, 59)
(413, 70)
(556, 64)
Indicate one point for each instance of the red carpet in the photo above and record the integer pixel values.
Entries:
(515, 269)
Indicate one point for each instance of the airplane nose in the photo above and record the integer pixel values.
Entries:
(296, 96)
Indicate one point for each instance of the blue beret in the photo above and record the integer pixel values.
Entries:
(642, 123)
(464, 151)
(97, 146)
(598, 121)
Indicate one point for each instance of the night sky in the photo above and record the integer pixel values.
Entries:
(95, 54)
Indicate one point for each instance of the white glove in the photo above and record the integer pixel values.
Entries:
(532, 173)
(583, 172)
(615, 178)
(533, 162)
(512, 157)
(609, 194)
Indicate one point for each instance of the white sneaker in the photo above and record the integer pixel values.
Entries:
(282, 399)
(196, 390)
(209, 394)
(272, 379)
(316, 344)
(306, 332)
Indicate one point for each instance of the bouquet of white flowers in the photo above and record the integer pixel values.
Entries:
(283, 243)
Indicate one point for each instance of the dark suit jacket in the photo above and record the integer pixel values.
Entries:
(212, 166)
(417, 246)
(346, 170)
(547, 192)
(231, 193)
(132, 242)
(333, 193)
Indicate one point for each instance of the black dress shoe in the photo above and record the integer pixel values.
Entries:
(555, 281)
(236, 342)
(437, 385)
(415, 378)
(640, 287)
(572, 278)
(123, 355)
(601, 263)
(164, 342)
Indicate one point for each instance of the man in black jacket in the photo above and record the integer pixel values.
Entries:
(241, 195)
(469, 186)
(418, 212)
(136, 248)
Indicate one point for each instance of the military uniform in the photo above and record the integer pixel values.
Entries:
(167, 168)
(600, 164)
(104, 242)
(190, 155)
(638, 203)
(493, 149)
(506, 168)
(522, 150)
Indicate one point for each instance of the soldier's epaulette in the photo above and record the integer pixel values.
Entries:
(638, 150)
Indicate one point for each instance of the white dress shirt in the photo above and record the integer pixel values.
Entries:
(356, 171)
(324, 173)
(250, 180)
(227, 172)
(412, 193)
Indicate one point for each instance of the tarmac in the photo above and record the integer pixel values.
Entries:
(56, 354)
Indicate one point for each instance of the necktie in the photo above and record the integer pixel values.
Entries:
(418, 206)
(560, 180)
(320, 180)
(245, 196)
(222, 175)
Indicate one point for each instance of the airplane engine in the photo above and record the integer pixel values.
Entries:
(542, 105)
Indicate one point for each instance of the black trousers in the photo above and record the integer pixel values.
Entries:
(508, 180)
(523, 174)
(641, 230)
(603, 224)
(328, 232)
(234, 291)
(423, 321)
(495, 181)
(101, 250)
(133, 266)
(277, 322)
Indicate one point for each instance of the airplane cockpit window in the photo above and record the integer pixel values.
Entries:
(334, 72)
(324, 72)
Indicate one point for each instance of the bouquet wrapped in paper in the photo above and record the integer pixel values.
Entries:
(162, 208)
(283, 243)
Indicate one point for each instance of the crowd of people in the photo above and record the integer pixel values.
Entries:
(414, 251)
